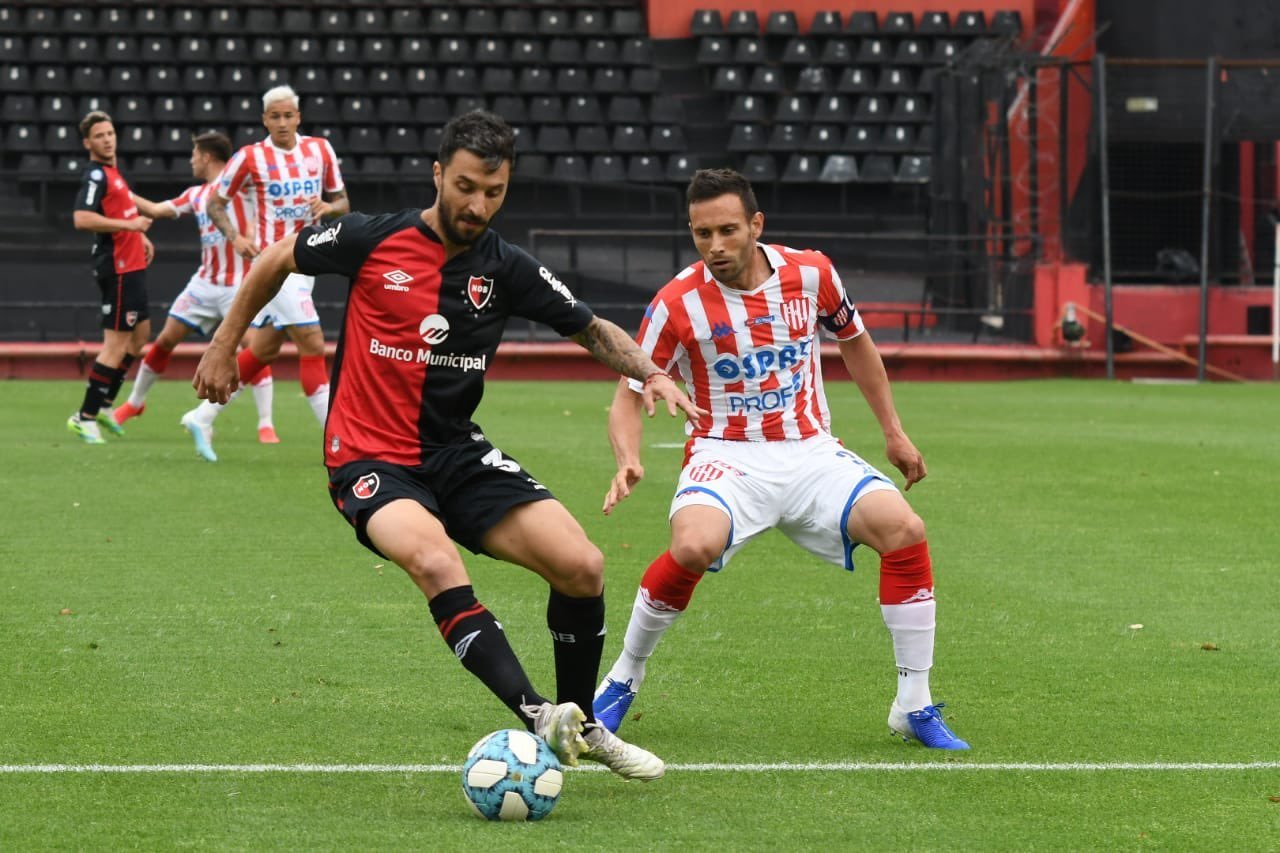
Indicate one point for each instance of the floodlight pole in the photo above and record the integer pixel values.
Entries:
(1100, 106)
(1206, 207)
(1275, 308)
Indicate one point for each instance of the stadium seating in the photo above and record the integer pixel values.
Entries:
(579, 79)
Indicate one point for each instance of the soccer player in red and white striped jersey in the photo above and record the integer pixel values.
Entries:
(741, 327)
(212, 288)
(288, 181)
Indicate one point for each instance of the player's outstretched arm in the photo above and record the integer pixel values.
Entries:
(154, 210)
(614, 348)
(865, 366)
(217, 375)
(88, 220)
(626, 428)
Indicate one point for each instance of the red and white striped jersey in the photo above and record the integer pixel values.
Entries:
(281, 184)
(751, 358)
(219, 263)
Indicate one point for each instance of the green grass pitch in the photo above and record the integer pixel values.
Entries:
(1107, 570)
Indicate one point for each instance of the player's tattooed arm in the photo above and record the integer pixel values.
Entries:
(216, 208)
(334, 204)
(614, 348)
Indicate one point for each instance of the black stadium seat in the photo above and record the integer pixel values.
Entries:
(645, 169)
(706, 22)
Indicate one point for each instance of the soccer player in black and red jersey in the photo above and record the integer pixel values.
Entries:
(431, 291)
(121, 254)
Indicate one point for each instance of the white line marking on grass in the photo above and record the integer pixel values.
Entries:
(781, 767)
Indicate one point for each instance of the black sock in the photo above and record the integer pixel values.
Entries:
(577, 637)
(122, 370)
(480, 644)
(95, 392)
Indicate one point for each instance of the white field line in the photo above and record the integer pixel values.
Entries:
(780, 767)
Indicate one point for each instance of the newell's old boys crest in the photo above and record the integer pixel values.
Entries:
(366, 487)
(479, 291)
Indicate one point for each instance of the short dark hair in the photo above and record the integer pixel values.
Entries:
(707, 184)
(214, 143)
(481, 132)
(87, 123)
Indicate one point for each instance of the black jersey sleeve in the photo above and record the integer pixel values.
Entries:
(93, 186)
(336, 245)
(537, 294)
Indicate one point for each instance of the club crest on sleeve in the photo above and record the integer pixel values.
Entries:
(366, 487)
(479, 291)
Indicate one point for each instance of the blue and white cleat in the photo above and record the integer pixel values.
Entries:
(925, 726)
(201, 434)
(612, 701)
(106, 420)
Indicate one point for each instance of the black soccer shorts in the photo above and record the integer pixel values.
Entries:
(124, 300)
(470, 486)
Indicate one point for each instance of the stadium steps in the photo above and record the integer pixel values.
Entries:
(20, 223)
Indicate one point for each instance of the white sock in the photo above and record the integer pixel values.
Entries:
(263, 396)
(645, 629)
(207, 412)
(912, 627)
(141, 385)
(320, 402)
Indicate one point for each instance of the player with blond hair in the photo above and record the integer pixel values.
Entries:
(289, 181)
(211, 289)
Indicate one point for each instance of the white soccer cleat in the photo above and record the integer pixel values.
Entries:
(561, 727)
(627, 760)
(201, 434)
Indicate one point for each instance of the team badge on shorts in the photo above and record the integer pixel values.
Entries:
(131, 319)
(479, 291)
(366, 487)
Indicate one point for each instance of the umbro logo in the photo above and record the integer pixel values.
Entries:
(397, 280)
(464, 645)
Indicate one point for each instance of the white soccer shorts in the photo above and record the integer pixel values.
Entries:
(292, 306)
(202, 304)
(805, 488)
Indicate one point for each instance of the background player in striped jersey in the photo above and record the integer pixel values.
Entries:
(741, 328)
(121, 255)
(209, 293)
(289, 181)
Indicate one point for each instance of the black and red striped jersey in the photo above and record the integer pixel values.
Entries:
(104, 191)
(419, 331)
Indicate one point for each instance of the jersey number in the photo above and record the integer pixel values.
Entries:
(497, 460)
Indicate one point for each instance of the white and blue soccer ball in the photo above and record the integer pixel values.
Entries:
(512, 775)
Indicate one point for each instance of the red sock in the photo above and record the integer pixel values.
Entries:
(313, 373)
(264, 375)
(157, 358)
(250, 367)
(667, 585)
(906, 575)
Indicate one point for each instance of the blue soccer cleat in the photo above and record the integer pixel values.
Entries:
(925, 726)
(201, 434)
(613, 700)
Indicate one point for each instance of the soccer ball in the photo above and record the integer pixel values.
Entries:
(512, 775)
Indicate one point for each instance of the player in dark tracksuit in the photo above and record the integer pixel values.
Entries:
(431, 291)
(121, 254)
